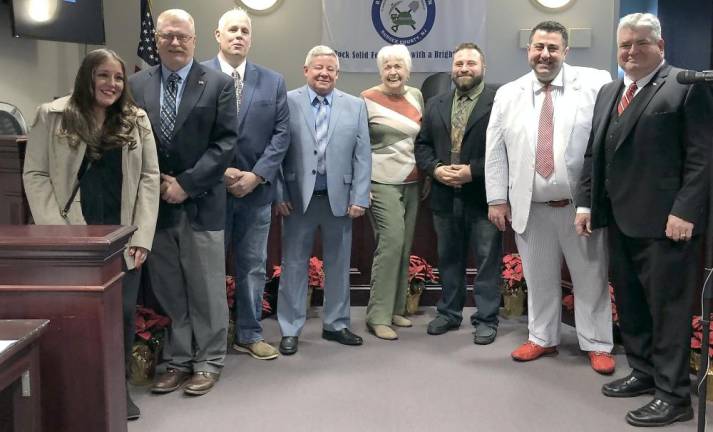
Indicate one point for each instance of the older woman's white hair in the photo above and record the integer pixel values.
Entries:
(394, 52)
(320, 50)
(641, 20)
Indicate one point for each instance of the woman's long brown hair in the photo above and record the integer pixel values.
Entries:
(78, 122)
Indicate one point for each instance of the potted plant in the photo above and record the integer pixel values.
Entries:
(145, 353)
(514, 286)
(419, 273)
(696, 349)
(230, 294)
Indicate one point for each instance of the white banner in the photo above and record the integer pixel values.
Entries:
(431, 29)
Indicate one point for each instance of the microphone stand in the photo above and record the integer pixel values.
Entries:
(706, 297)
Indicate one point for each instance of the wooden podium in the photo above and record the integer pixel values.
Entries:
(71, 275)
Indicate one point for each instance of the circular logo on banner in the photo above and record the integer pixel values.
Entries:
(403, 21)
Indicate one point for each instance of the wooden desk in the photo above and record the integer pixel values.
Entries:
(20, 375)
(71, 275)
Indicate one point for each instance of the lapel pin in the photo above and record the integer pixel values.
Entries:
(201, 82)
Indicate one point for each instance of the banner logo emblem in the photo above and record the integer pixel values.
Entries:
(402, 22)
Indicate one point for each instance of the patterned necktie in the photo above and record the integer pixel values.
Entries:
(545, 161)
(626, 99)
(238, 87)
(168, 108)
(458, 128)
(321, 125)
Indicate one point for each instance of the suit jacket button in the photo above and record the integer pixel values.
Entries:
(314, 171)
(315, 152)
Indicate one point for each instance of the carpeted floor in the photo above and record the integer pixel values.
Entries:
(417, 383)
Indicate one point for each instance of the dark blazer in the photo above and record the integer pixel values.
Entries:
(433, 147)
(203, 141)
(263, 128)
(660, 165)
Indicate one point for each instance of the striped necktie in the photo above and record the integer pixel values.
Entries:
(544, 157)
(321, 125)
(626, 99)
(168, 108)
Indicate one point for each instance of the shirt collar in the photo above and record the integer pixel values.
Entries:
(182, 72)
(645, 80)
(312, 94)
(538, 86)
(472, 93)
(228, 69)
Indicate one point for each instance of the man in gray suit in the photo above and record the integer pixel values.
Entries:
(325, 184)
(192, 109)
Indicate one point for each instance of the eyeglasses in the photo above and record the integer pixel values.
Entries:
(169, 37)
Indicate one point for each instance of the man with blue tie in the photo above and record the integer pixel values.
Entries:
(192, 113)
(263, 138)
(325, 184)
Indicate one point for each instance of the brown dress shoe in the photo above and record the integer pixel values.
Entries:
(169, 381)
(200, 383)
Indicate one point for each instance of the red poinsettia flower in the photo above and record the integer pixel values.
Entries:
(147, 322)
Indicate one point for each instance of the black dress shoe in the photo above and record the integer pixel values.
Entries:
(628, 386)
(659, 413)
(288, 345)
(343, 336)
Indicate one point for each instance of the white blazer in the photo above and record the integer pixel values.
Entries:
(512, 137)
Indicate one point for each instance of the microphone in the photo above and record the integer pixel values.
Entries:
(693, 77)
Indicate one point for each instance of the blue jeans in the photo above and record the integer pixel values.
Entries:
(455, 235)
(247, 229)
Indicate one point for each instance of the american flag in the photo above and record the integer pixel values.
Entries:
(147, 51)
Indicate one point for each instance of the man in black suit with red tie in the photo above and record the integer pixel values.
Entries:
(645, 178)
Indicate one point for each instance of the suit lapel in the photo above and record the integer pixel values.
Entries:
(641, 101)
(481, 108)
(445, 105)
(566, 117)
(334, 114)
(250, 80)
(191, 93)
(152, 96)
(307, 112)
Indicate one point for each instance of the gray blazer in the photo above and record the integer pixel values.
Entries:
(348, 154)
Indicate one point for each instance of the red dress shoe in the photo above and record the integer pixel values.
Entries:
(531, 351)
(602, 362)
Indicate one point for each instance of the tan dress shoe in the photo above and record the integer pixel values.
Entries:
(383, 331)
(169, 381)
(401, 321)
(260, 350)
(200, 383)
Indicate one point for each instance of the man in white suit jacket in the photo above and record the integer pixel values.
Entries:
(536, 139)
(326, 178)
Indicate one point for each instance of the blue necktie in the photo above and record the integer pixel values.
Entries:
(321, 126)
(168, 108)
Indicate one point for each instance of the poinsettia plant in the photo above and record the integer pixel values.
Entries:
(697, 335)
(315, 275)
(568, 303)
(148, 323)
(420, 270)
(513, 276)
(230, 290)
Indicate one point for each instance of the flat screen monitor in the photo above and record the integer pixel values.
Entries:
(80, 21)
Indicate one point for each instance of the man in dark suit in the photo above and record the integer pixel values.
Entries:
(192, 113)
(645, 178)
(451, 148)
(263, 138)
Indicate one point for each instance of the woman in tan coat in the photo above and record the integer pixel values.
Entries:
(91, 159)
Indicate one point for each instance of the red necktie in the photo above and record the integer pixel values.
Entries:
(544, 157)
(626, 99)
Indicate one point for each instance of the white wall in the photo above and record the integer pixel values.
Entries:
(35, 71)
